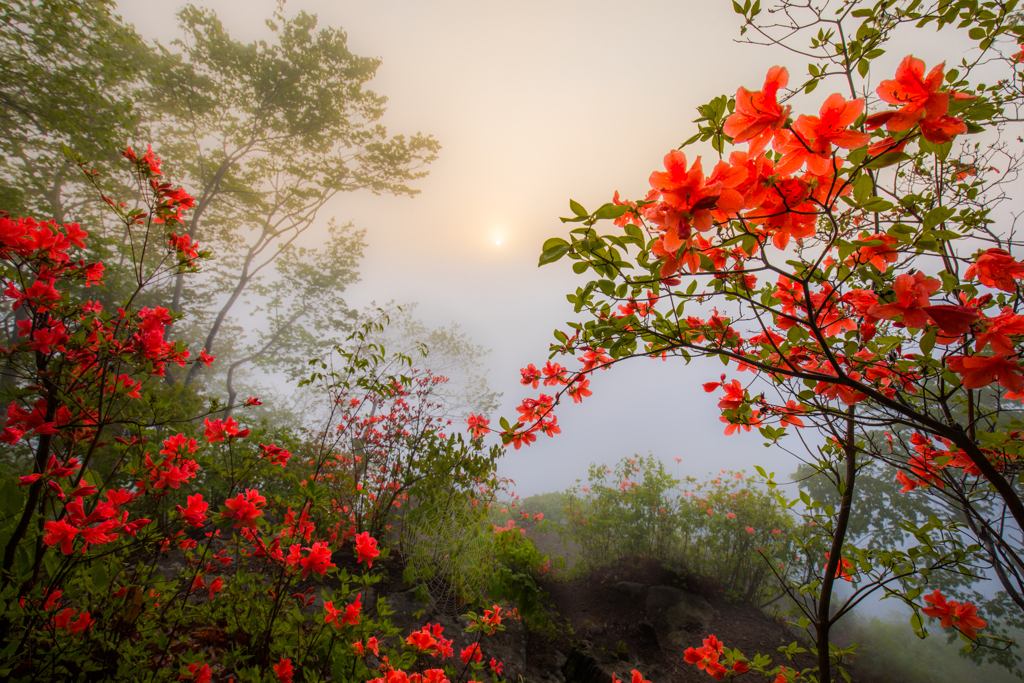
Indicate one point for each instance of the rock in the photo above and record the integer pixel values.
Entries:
(648, 631)
(672, 610)
(630, 588)
(406, 607)
(587, 664)
(583, 666)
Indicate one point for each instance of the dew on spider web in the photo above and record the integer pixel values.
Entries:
(450, 548)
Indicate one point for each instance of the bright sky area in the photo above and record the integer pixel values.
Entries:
(534, 103)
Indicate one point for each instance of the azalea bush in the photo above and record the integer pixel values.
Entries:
(849, 258)
(143, 529)
(516, 568)
(381, 444)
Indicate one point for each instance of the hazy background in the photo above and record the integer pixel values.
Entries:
(534, 103)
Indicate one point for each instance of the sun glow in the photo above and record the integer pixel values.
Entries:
(497, 235)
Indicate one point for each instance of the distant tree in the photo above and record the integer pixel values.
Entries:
(268, 133)
(68, 76)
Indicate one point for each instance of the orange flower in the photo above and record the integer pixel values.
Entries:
(735, 394)
(332, 614)
(245, 508)
(998, 332)
(842, 569)
(962, 616)
(352, 612)
(922, 103)
(815, 136)
(918, 94)
(366, 546)
(478, 425)
(706, 657)
(953, 321)
(880, 255)
(691, 195)
(912, 292)
(283, 671)
(997, 268)
(758, 114)
(980, 371)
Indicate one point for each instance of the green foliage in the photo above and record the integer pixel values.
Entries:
(267, 133)
(516, 567)
(633, 517)
(726, 528)
(69, 76)
(888, 650)
(730, 529)
(552, 505)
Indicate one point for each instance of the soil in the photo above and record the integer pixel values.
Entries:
(597, 617)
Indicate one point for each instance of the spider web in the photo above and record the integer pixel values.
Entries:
(451, 550)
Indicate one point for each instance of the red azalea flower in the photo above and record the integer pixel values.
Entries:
(367, 548)
(284, 671)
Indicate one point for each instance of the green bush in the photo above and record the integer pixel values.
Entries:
(551, 505)
(635, 516)
(725, 528)
(728, 527)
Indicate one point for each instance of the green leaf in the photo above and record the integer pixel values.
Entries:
(690, 141)
(11, 499)
(100, 579)
(554, 249)
(936, 216)
(928, 342)
(888, 159)
(577, 208)
(877, 205)
(610, 211)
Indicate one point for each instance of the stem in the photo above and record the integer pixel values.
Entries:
(824, 622)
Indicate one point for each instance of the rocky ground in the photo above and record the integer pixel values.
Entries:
(639, 614)
(636, 614)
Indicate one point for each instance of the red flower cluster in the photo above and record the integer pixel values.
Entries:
(428, 676)
(223, 430)
(318, 560)
(471, 653)
(923, 104)
(275, 454)
(707, 658)
(366, 547)
(245, 508)
(961, 615)
(351, 616)
(428, 640)
(103, 525)
(175, 469)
